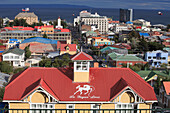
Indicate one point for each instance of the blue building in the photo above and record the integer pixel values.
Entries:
(156, 58)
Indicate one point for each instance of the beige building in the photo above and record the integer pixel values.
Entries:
(30, 17)
(87, 18)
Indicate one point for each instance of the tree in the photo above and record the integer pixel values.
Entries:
(56, 63)
(27, 52)
(2, 91)
(5, 67)
(155, 46)
(45, 35)
(143, 45)
(45, 63)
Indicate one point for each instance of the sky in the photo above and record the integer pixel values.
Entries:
(135, 4)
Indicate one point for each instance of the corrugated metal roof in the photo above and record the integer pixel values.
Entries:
(40, 40)
(15, 51)
(116, 57)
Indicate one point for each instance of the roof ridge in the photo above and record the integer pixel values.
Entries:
(139, 77)
(17, 77)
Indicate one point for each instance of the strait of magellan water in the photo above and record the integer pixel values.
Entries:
(53, 13)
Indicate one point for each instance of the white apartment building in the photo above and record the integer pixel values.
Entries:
(86, 18)
(15, 57)
(119, 28)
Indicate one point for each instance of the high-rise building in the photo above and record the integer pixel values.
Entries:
(126, 15)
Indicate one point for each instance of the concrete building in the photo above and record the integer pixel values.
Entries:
(86, 18)
(117, 60)
(22, 33)
(15, 57)
(79, 87)
(30, 17)
(156, 58)
(99, 41)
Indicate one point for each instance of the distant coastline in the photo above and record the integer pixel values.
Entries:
(65, 11)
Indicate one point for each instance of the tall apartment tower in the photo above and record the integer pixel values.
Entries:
(126, 15)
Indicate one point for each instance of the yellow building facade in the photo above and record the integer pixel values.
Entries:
(91, 89)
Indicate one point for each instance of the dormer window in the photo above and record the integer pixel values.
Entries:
(81, 66)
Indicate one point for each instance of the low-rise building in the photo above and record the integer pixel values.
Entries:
(99, 41)
(67, 48)
(117, 60)
(15, 56)
(30, 17)
(164, 94)
(156, 58)
(13, 43)
(80, 87)
(39, 45)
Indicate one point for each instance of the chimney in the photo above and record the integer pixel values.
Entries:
(96, 64)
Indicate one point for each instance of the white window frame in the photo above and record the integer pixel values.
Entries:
(121, 107)
(37, 106)
(96, 107)
(73, 107)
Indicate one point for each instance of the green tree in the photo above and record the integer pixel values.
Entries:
(18, 70)
(143, 45)
(56, 62)
(2, 91)
(27, 52)
(5, 67)
(45, 35)
(45, 63)
(155, 46)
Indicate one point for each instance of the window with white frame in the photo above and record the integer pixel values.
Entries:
(82, 66)
(11, 57)
(16, 57)
(6, 57)
(124, 106)
(94, 108)
(70, 108)
(42, 106)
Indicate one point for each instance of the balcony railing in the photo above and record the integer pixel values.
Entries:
(85, 110)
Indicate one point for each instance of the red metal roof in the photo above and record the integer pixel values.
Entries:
(72, 47)
(19, 28)
(82, 56)
(167, 87)
(106, 83)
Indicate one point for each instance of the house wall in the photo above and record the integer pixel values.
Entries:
(19, 106)
(81, 76)
(156, 61)
(144, 106)
(69, 52)
(119, 63)
(13, 58)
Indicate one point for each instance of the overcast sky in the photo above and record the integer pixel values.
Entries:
(136, 4)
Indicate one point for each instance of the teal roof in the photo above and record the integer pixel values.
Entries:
(118, 57)
(14, 51)
(91, 32)
(107, 48)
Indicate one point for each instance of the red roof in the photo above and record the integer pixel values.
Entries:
(19, 28)
(106, 84)
(166, 39)
(82, 56)
(72, 47)
(167, 87)
(62, 30)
